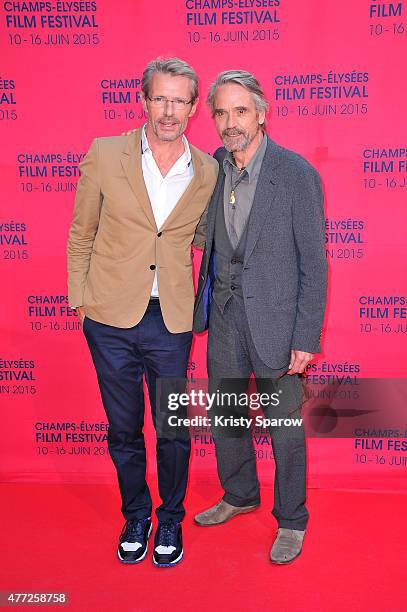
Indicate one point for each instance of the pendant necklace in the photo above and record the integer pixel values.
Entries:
(232, 197)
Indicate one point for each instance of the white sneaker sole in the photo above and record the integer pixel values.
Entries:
(177, 560)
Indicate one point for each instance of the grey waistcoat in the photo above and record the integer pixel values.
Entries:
(229, 261)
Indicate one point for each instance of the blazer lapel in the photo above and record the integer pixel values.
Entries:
(131, 163)
(266, 190)
(190, 191)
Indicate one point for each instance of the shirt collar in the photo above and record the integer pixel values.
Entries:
(254, 165)
(185, 158)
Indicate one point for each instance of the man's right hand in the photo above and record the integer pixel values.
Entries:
(81, 313)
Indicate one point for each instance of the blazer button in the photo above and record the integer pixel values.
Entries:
(152, 267)
(159, 234)
(232, 287)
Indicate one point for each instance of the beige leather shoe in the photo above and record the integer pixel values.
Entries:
(287, 545)
(220, 513)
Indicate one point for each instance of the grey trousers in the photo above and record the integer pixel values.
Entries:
(232, 358)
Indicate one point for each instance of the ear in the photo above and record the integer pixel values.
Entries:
(193, 108)
(261, 117)
(144, 103)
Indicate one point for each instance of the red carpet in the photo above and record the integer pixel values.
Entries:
(63, 538)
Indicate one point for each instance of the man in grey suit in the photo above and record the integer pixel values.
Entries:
(261, 293)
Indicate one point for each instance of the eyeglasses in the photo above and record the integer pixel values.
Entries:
(159, 101)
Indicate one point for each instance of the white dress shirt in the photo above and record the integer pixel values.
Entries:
(164, 192)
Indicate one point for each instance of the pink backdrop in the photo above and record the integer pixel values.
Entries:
(70, 71)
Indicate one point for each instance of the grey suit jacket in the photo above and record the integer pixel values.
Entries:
(285, 270)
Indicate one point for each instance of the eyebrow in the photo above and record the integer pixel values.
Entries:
(234, 108)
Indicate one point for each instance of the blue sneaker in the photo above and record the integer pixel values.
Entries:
(168, 549)
(133, 541)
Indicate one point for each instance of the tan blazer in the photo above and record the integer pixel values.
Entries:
(114, 242)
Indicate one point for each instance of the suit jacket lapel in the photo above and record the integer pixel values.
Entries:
(131, 162)
(266, 190)
(190, 191)
(132, 166)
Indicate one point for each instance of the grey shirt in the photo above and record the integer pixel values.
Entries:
(236, 218)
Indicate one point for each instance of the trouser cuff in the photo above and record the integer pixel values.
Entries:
(238, 502)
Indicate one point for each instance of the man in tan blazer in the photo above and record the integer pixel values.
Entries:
(138, 203)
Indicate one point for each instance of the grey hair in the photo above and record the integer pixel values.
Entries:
(173, 66)
(246, 80)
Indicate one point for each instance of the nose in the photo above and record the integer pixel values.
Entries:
(230, 122)
(168, 102)
(169, 111)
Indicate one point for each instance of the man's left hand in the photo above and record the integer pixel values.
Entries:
(299, 361)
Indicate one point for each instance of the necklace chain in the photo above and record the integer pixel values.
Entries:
(232, 197)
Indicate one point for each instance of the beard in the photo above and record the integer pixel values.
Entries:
(235, 140)
(168, 137)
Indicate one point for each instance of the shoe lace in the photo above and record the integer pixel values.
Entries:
(167, 534)
(132, 530)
